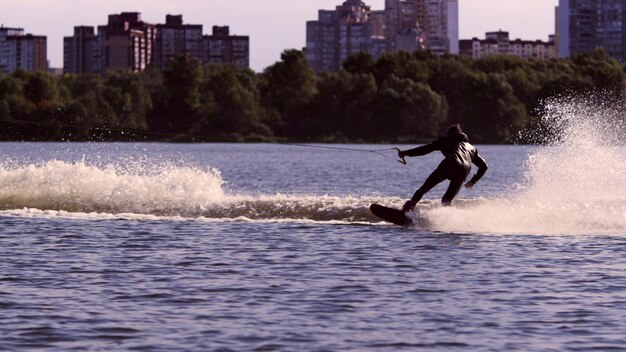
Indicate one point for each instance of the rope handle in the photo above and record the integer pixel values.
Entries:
(400, 160)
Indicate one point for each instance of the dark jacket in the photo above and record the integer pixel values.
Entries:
(458, 153)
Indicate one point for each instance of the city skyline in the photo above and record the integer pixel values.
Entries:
(528, 19)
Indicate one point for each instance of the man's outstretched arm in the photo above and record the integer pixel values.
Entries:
(419, 151)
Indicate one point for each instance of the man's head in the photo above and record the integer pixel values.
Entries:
(456, 128)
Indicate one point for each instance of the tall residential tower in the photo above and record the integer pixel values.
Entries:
(403, 25)
(585, 25)
(22, 51)
(80, 51)
(223, 48)
(128, 43)
(499, 43)
(175, 38)
(338, 34)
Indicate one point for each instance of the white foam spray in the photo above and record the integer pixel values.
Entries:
(80, 187)
(132, 191)
(575, 185)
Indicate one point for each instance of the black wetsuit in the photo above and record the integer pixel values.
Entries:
(459, 156)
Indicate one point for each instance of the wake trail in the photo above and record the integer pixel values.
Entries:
(166, 191)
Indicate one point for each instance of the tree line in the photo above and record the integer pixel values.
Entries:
(399, 97)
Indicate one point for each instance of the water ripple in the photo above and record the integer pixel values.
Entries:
(277, 287)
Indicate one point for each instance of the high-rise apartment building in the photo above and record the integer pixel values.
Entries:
(435, 26)
(22, 51)
(223, 48)
(452, 26)
(80, 52)
(128, 43)
(403, 25)
(124, 43)
(499, 43)
(340, 33)
(175, 38)
(585, 25)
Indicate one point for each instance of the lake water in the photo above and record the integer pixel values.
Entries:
(231, 247)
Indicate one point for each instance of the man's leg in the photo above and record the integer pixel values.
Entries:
(453, 189)
(434, 179)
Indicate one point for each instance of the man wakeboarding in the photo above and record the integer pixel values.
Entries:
(459, 155)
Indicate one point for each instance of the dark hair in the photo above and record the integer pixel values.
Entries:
(456, 128)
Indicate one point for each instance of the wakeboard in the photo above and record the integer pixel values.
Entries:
(391, 215)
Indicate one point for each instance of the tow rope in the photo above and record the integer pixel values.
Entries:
(373, 151)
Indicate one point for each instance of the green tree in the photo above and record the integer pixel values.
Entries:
(408, 109)
(606, 74)
(342, 107)
(176, 110)
(230, 103)
(415, 67)
(485, 104)
(10, 86)
(5, 111)
(40, 87)
(287, 88)
(360, 63)
(86, 101)
(129, 99)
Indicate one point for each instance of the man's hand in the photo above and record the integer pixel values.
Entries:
(408, 206)
(469, 185)
(401, 154)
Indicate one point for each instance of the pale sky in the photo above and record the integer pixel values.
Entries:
(273, 25)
